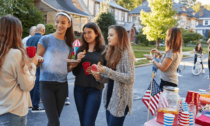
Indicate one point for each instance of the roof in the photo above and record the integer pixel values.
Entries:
(202, 26)
(66, 5)
(144, 6)
(206, 14)
(114, 4)
(177, 6)
(127, 26)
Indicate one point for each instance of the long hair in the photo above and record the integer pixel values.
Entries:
(99, 39)
(69, 32)
(114, 54)
(196, 47)
(173, 40)
(10, 37)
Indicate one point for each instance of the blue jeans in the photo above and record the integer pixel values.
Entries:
(115, 121)
(9, 119)
(154, 68)
(35, 93)
(88, 102)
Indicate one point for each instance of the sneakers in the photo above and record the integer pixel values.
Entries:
(37, 109)
(207, 77)
(203, 71)
(67, 102)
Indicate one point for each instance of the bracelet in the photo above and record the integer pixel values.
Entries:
(152, 60)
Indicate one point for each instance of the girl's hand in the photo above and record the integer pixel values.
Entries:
(88, 70)
(40, 59)
(154, 51)
(33, 60)
(74, 64)
(149, 57)
(80, 55)
(97, 76)
(100, 68)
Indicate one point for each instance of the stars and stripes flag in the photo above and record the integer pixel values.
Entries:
(154, 101)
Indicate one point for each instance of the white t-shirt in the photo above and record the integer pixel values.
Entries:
(25, 40)
(170, 75)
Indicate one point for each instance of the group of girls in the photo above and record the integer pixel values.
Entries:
(116, 68)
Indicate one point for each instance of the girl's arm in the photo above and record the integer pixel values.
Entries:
(126, 77)
(164, 66)
(40, 52)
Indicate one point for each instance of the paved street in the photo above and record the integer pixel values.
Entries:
(69, 116)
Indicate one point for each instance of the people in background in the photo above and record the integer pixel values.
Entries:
(35, 94)
(31, 33)
(198, 50)
(154, 68)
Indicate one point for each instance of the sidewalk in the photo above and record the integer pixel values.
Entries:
(188, 53)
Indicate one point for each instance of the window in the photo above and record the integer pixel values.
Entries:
(133, 19)
(206, 22)
(126, 17)
(123, 16)
(96, 8)
(112, 10)
(196, 22)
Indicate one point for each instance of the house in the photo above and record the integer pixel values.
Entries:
(186, 16)
(92, 7)
(50, 7)
(203, 23)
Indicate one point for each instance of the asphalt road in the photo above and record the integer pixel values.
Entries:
(69, 115)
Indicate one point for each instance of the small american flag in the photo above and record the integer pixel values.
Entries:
(156, 91)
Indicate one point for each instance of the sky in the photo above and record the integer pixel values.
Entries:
(202, 1)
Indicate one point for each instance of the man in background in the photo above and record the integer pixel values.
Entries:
(31, 33)
(35, 94)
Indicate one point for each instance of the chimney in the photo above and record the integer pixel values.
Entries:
(201, 11)
(143, 1)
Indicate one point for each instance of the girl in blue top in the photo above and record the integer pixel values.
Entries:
(55, 48)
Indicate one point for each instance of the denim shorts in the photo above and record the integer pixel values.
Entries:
(9, 119)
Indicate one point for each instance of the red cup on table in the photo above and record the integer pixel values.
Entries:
(85, 66)
(31, 51)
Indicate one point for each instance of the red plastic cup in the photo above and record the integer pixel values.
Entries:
(31, 51)
(85, 66)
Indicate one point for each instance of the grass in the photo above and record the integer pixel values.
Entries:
(143, 61)
(140, 54)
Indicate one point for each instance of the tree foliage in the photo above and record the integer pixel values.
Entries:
(142, 38)
(188, 36)
(49, 28)
(188, 3)
(104, 18)
(129, 4)
(159, 20)
(207, 6)
(24, 10)
(196, 7)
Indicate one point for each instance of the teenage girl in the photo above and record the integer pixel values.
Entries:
(119, 74)
(55, 48)
(198, 50)
(88, 91)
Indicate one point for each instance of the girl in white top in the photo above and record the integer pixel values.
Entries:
(17, 73)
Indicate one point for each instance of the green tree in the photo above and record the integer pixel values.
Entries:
(24, 10)
(159, 20)
(188, 3)
(208, 34)
(188, 36)
(129, 4)
(207, 6)
(49, 28)
(142, 38)
(104, 18)
(196, 6)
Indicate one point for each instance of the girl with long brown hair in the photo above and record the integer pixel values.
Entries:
(198, 50)
(55, 48)
(88, 91)
(17, 73)
(119, 74)
(171, 59)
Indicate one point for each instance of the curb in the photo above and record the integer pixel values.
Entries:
(148, 64)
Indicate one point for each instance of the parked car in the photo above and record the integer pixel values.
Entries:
(161, 44)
